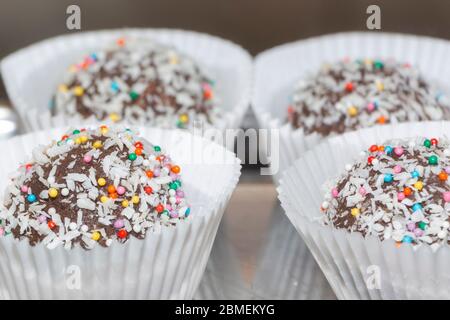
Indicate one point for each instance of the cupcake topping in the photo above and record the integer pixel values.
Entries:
(349, 95)
(138, 81)
(399, 190)
(93, 187)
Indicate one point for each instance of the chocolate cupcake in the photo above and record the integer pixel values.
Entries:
(399, 190)
(350, 95)
(94, 187)
(138, 81)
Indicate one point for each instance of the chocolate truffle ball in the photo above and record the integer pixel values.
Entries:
(350, 95)
(92, 187)
(141, 82)
(398, 190)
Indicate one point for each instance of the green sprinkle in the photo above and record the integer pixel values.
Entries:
(433, 160)
(132, 156)
(427, 143)
(76, 131)
(134, 95)
(157, 148)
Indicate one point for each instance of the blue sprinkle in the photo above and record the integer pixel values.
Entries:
(407, 239)
(94, 57)
(388, 177)
(388, 149)
(114, 86)
(31, 198)
(417, 207)
(188, 211)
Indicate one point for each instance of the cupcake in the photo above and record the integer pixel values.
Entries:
(138, 81)
(91, 188)
(326, 86)
(106, 206)
(353, 94)
(399, 190)
(195, 78)
(374, 210)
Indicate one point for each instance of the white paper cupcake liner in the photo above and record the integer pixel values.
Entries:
(278, 69)
(167, 264)
(31, 75)
(287, 269)
(350, 262)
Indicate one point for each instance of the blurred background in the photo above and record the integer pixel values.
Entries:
(254, 24)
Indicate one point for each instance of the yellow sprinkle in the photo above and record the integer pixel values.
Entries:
(125, 203)
(78, 91)
(103, 199)
(114, 117)
(104, 130)
(380, 85)
(101, 182)
(84, 139)
(184, 118)
(418, 185)
(355, 212)
(52, 192)
(97, 144)
(96, 236)
(135, 199)
(78, 140)
(352, 111)
(62, 88)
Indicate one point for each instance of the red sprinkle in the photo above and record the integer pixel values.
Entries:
(51, 224)
(148, 190)
(122, 233)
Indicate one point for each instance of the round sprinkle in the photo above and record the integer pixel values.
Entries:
(31, 198)
(418, 185)
(125, 203)
(52, 192)
(433, 160)
(120, 190)
(96, 236)
(87, 158)
(355, 212)
(101, 182)
(135, 199)
(65, 192)
(388, 178)
(97, 144)
(132, 156)
(122, 233)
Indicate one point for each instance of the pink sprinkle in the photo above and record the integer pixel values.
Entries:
(447, 170)
(334, 192)
(398, 151)
(397, 169)
(178, 200)
(411, 226)
(168, 207)
(418, 232)
(2, 232)
(42, 218)
(120, 190)
(24, 189)
(362, 191)
(446, 196)
(400, 196)
(87, 158)
(371, 106)
(118, 224)
(156, 172)
(173, 214)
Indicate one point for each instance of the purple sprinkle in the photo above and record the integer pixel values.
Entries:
(173, 214)
(118, 224)
(156, 172)
(180, 193)
(418, 232)
(411, 226)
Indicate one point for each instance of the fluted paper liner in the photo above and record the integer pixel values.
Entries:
(167, 264)
(351, 263)
(31, 75)
(277, 70)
